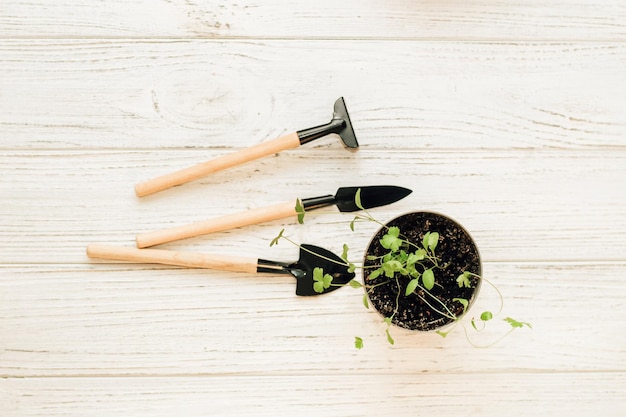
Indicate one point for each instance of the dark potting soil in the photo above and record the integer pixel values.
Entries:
(457, 252)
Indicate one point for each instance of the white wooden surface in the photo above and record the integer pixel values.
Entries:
(508, 116)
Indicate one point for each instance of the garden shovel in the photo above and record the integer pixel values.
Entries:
(311, 257)
(344, 199)
(339, 124)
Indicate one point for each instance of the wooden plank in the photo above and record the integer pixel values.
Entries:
(523, 205)
(130, 320)
(207, 94)
(509, 117)
(507, 394)
(478, 19)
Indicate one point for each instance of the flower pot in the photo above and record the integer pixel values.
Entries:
(422, 309)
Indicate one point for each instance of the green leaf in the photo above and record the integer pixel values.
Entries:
(318, 274)
(442, 333)
(318, 287)
(391, 240)
(300, 211)
(357, 199)
(517, 324)
(352, 223)
(415, 257)
(351, 267)
(411, 286)
(358, 342)
(464, 280)
(277, 238)
(486, 316)
(344, 255)
(321, 281)
(391, 267)
(428, 278)
(414, 272)
(433, 240)
(355, 284)
(389, 338)
(328, 279)
(425, 240)
(474, 324)
(375, 274)
(366, 301)
(463, 302)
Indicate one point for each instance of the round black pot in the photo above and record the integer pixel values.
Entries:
(458, 253)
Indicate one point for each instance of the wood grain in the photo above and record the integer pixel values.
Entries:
(323, 19)
(217, 224)
(197, 94)
(185, 259)
(222, 162)
(520, 205)
(119, 320)
(507, 116)
(529, 394)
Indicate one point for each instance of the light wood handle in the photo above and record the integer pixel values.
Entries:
(230, 221)
(226, 161)
(169, 257)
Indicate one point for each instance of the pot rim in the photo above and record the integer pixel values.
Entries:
(458, 224)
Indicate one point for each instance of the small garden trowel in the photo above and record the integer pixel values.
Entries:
(311, 257)
(344, 199)
(339, 124)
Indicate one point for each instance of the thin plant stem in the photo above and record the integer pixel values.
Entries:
(471, 342)
(500, 296)
(452, 317)
(315, 253)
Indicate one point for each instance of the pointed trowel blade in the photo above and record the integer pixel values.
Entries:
(371, 196)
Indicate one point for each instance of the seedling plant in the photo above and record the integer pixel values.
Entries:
(417, 262)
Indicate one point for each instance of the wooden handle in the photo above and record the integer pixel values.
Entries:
(231, 221)
(169, 257)
(226, 161)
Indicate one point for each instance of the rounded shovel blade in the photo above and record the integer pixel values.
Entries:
(312, 257)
